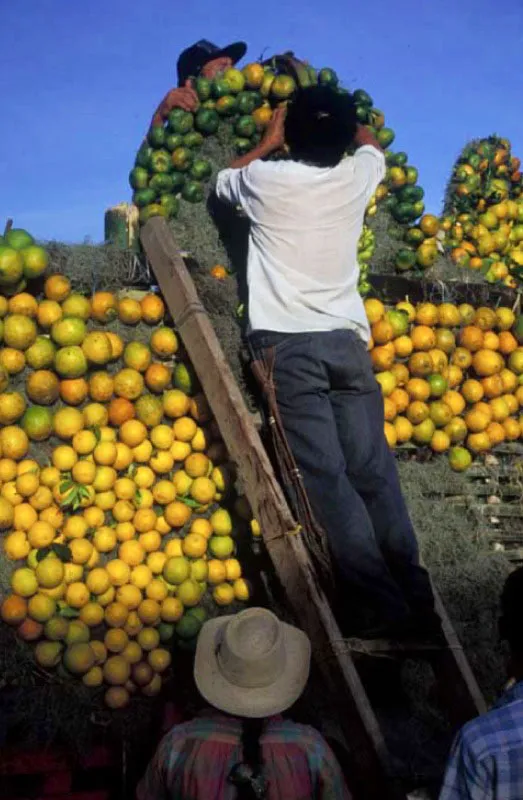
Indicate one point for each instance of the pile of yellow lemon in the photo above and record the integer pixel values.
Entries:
(111, 475)
(451, 376)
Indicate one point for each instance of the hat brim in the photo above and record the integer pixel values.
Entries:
(246, 702)
(235, 52)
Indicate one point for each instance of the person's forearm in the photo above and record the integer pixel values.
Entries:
(262, 150)
(365, 137)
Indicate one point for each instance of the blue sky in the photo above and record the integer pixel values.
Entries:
(78, 83)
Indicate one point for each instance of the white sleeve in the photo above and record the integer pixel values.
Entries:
(370, 165)
(230, 186)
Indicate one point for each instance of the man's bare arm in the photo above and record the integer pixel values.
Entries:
(184, 97)
(365, 137)
(273, 139)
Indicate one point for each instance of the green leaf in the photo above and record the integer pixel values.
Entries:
(69, 613)
(42, 553)
(188, 502)
(65, 485)
(97, 432)
(62, 551)
(158, 510)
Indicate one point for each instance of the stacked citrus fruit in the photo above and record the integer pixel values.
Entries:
(484, 211)
(113, 479)
(21, 259)
(451, 376)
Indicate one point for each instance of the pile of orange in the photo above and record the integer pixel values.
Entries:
(114, 488)
(451, 376)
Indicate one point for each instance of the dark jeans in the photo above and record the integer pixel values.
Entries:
(332, 410)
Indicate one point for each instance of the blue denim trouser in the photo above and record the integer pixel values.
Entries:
(332, 411)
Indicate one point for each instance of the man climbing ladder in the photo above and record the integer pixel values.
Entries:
(307, 322)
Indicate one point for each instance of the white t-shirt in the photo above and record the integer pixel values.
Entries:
(302, 268)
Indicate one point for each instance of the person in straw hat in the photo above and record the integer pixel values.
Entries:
(251, 667)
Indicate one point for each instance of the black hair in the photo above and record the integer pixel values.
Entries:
(320, 125)
(510, 625)
(247, 775)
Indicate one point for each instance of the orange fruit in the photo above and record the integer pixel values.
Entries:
(417, 412)
(390, 434)
(459, 459)
(491, 341)
(101, 387)
(476, 420)
(97, 348)
(374, 309)
(427, 314)
(68, 331)
(132, 432)
(129, 311)
(117, 344)
(104, 306)
(70, 362)
(423, 432)
(149, 410)
(440, 442)
(455, 401)
(454, 376)
(382, 358)
(429, 224)
(471, 338)
(492, 386)
(164, 342)
(496, 433)
(49, 312)
(42, 387)
(13, 609)
(157, 378)
(439, 360)
(445, 340)
(76, 305)
(512, 429)
(403, 346)
(478, 442)
(485, 318)
(382, 332)
(420, 364)
(12, 407)
(120, 411)
(57, 288)
(11, 360)
(401, 373)
(137, 356)
(462, 357)
(403, 429)
(129, 384)
(487, 362)
(401, 399)
(153, 309)
(423, 337)
(507, 343)
(448, 315)
(418, 389)
(500, 409)
(440, 413)
(23, 303)
(456, 430)
(389, 409)
(19, 331)
(73, 391)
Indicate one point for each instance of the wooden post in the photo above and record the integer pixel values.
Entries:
(289, 556)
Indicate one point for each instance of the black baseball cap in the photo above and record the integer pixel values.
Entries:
(195, 57)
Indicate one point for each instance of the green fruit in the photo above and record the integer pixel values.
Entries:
(361, 98)
(193, 192)
(209, 104)
(220, 88)
(226, 105)
(173, 141)
(414, 236)
(327, 77)
(156, 136)
(245, 127)
(17, 238)
(161, 182)
(11, 266)
(404, 212)
(37, 422)
(242, 145)
(199, 613)
(152, 210)
(170, 203)
(144, 197)
(410, 194)
(385, 136)
(139, 178)
(418, 208)
(245, 102)
(194, 139)
(207, 121)
(160, 161)
(405, 259)
(143, 157)
(518, 329)
(398, 159)
(180, 123)
(203, 88)
(362, 114)
(256, 97)
(411, 175)
(182, 159)
(201, 169)
(166, 631)
(390, 203)
(184, 378)
(178, 180)
(188, 627)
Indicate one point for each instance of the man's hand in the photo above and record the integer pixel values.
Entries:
(274, 137)
(185, 97)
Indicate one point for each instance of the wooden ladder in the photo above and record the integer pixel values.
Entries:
(371, 763)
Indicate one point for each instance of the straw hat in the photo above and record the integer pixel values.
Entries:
(251, 664)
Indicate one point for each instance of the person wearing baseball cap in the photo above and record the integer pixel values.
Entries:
(250, 667)
(202, 58)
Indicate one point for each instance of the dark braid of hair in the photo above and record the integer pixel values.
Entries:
(247, 775)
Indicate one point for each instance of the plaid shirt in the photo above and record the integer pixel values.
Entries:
(486, 762)
(193, 762)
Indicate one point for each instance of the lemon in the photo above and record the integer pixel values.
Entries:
(76, 527)
(156, 562)
(194, 545)
(201, 526)
(84, 472)
(161, 462)
(173, 548)
(105, 479)
(156, 590)
(162, 437)
(200, 441)
(41, 608)
(81, 552)
(223, 594)
(92, 614)
(141, 576)
(148, 638)
(94, 677)
(79, 658)
(119, 572)
(77, 631)
(150, 541)
(171, 609)
(116, 615)
(241, 590)
(116, 640)
(56, 629)
(27, 484)
(50, 572)
(16, 546)
(47, 654)
(203, 490)
(104, 539)
(129, 595)
(107, 597)
(233, 569)
(124, 531)
(24, 582)
(134, 625)
(132, 553)
(74, 572)
(116, 697)
(77, 595)
(40, 534)
(123, 511)
(57, 592)
(159, 659)
(164, 492)
(98, 580)
(125, 489)
(105, 501)
(144, 477)
(221, 546)
(184, 429)
(84, 442)
(189, 593)
(180, 450)
(149, 611)
(216, 571)
(221, 522)
(105, 454)
(142, 452)
(64, 457)
(116, 670)
(132, 652)
(182, 483)
(176, 570)
(199, 570)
